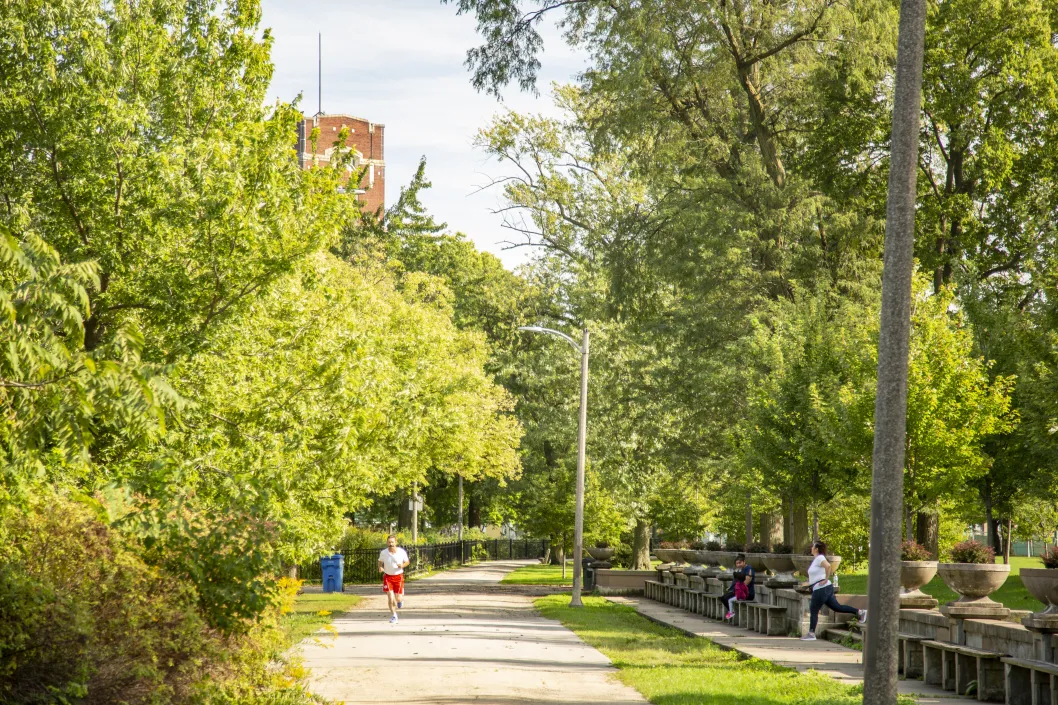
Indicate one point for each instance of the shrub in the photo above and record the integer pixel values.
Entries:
(734, 547)
(622, 556)
(972, 552)
(1050, 557)
(713, 546)
(698, 545)
(914, 551)
(783, 549)
(758, 548)
(602, 544)
(668, 544)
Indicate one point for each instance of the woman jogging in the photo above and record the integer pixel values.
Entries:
(823, 591)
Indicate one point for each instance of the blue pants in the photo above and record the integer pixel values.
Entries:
(824, 597)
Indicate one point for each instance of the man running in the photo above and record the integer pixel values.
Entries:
(391, 563)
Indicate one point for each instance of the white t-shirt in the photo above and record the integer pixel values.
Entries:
(392, 562)
(817, 573)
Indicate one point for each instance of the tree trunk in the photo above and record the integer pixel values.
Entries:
(770, 529)
(749, 519)
(788, 522)
(909, 527)
(292, 572)
(1010, 540)
(800, 528)
(558, 551)
(928, 532)
(641, 545)
(473, 510)
(815, 525)
(404, 514)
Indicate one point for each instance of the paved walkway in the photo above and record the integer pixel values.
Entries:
(834, 660)
(455, 644)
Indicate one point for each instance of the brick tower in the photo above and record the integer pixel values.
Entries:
(367, 139)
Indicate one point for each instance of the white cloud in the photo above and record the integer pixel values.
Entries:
(400, 62)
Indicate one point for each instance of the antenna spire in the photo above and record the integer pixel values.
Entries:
(319, 85)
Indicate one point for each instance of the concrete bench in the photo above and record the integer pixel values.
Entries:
(712, 606)
(650, 589)
(769, 620)
(954, 667)
(909, 655)
(1030, 682)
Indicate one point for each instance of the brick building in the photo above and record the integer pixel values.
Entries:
(366, 138)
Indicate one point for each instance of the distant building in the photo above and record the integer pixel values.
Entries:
(367, 139)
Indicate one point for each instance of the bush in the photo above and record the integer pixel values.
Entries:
(84, 618)
(698, 545)
(734, 547)
(713, 546)
(758, 548)
(972, 552)
(914, 551)
(783, 549)
(602, 544)
(1050, 557)
(622, 556)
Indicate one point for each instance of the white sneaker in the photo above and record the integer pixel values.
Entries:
(393, 619)
(809, 637)
(863, 617)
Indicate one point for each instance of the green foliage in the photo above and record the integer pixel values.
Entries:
(1050, 557)
(971, 552)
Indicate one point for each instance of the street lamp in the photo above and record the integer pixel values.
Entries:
(578, 524)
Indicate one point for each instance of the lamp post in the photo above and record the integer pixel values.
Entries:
(582, 432)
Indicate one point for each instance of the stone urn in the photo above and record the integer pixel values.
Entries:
(600, 554)
(802, 562)
(727, 560)
(756, 562)
(1043, 584)
(783, 566)
(974, 582)
(667, 555)
(688, 555)
(711, 559)
(913, 575)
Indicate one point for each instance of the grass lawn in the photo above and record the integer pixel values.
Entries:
(314, 610)
(670, 668)
(1013, 594)
(539, 575)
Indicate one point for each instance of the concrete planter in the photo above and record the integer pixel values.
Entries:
(974, 582)
(913, 575)
(701, 557)
(1043, 584)
(756, 561)
(600, 554)
(622, 582)
(783, 566)
(687, 555)
(667, 555)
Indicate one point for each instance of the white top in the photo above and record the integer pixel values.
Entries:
(817, 573)
(392, 562)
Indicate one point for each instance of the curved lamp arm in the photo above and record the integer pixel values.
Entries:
(551, 331)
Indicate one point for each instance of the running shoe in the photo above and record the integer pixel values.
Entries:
(393, 619)
(863, 617)
(729, 615)
(809, 637)
(400, 605)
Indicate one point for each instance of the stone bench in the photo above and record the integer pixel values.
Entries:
(769, 620)
(954, 667)
(909, 655)
(1030, 682)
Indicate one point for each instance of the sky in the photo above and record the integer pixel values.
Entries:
(400, 63)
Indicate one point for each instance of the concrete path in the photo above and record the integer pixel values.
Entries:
(459, 641)
(834, 660)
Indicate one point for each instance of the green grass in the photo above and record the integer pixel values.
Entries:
(314, 610)
(1013, 593)
(539, 575)
(671, 668)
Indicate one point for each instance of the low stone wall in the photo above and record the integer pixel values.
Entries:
(622, 582)
(1002, 637)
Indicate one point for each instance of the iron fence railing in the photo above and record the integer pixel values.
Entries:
(361, 565)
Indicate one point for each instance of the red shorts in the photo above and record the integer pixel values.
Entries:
(393, 583)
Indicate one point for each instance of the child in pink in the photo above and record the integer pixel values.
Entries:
(741, 591)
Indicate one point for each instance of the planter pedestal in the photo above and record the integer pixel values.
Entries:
(1043, 584)
(979, 609)
(1041, 624)
(918, 600)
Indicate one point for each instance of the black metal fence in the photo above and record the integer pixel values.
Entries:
(361, 565)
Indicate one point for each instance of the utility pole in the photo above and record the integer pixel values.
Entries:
(578, 521)
(462, 558)
(319, 73)
(890, 409)
(415, 513)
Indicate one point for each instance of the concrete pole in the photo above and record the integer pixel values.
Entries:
(415, 513)
(460, 507)
(578, 526)
(890, 410)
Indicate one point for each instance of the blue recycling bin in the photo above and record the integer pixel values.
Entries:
(332, 567)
